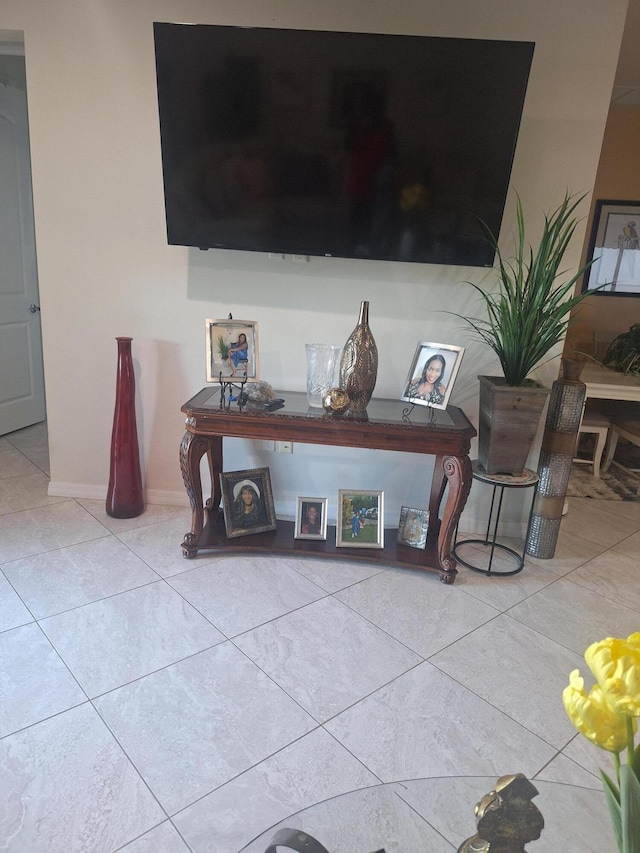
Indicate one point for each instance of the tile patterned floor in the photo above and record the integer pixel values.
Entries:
(155, 704)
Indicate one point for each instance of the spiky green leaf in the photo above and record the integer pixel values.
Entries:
(612, 796)
(630, 809)
(530, 312)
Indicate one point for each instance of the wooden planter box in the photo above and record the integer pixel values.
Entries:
(509, 418)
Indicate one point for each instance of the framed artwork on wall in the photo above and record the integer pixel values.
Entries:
(614, 248)
(232, 350)
(433, 371)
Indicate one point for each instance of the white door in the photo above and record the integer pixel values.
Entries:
(21, 373)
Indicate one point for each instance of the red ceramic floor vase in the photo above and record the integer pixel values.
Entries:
(124, 495)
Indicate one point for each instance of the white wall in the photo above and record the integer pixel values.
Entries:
(105, 269)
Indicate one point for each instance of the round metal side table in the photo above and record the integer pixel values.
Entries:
(500, 482)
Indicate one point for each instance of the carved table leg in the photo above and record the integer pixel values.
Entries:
(215, 467)
(458, 472)
(192, 449)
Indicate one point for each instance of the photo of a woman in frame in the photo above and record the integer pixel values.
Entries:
(432, 374)
(248, 506)
(232, 350)
(239, 353)
(429, 385)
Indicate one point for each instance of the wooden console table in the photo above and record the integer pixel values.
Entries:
(385, 425)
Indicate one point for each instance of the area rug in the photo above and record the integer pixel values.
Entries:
(616, 485)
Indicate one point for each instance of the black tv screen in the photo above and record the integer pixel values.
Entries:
(351, 145)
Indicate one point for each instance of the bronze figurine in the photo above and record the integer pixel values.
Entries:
(506, 819)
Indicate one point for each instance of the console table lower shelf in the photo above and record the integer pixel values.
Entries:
(387, 425)
(281, 541)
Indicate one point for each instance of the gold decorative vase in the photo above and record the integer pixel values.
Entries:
(359, 363)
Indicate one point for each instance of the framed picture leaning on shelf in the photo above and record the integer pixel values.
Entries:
(232, 350)
(311, 518)
(433, 371)
(413, 527)
(360, 519)
(248, 502)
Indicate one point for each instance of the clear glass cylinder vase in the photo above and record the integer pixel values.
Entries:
(322, 367)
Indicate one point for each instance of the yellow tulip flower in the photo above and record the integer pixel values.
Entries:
(607, 716)
(615, 664)
(592, 716)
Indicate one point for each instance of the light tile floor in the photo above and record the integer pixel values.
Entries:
(155, 704)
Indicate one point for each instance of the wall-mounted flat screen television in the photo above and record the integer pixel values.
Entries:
(350, 145)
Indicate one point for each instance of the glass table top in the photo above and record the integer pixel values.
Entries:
(379, 410)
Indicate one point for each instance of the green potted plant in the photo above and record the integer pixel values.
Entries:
(223, 348)
(525, 318)
(624, 352)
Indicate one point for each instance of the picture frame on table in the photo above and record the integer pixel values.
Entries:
(232, 350)
(311, 518)
(247, 502)
(360, 519)
(413, 527)
(614, 249)
(432, 374)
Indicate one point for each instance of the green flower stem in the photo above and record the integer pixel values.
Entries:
(629, 740)
(616, 758)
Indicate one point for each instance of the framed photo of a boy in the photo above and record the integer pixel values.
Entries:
(232, 350)
(360, 519)
(433, 371)
(247, 502)
(311, 518)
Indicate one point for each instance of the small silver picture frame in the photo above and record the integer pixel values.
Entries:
(311, 518)
(433, 371)
(413, 527)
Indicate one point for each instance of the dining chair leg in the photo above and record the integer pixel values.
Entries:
(612, 443)
(601, 441)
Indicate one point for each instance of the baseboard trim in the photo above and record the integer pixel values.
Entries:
(57, 489)
(166, 498)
